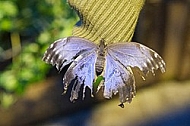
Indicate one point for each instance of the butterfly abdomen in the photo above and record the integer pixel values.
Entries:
(100, 62)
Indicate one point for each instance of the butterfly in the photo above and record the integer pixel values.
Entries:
(113, 62)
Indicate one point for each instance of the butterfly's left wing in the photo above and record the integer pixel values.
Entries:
(82, 71)
(81, 54)
(118, 78)
(63, 51)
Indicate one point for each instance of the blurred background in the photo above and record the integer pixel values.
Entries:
(30, 90)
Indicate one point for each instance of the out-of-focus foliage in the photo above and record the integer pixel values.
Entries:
(26, 30)
(8, 12)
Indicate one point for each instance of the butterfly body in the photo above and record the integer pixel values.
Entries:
(100, 62)
(113, 61)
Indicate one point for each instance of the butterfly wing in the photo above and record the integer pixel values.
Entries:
(82, 55)
(118, 78)
(132, 54)
(82, 71)
(64, 51)
(118, 75)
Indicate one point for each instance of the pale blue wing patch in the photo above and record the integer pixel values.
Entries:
(82, 55)
(132, 54)
(64, 51)
(82, 71)
(118, 79)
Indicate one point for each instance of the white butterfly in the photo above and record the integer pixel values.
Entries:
(112, 61)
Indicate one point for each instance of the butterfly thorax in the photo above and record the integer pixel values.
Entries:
(100, 62)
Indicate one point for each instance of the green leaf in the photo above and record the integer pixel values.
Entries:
(98, 81)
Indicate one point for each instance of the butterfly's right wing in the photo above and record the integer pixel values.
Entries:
(120, 57)
(132, 54)
(118, 79)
